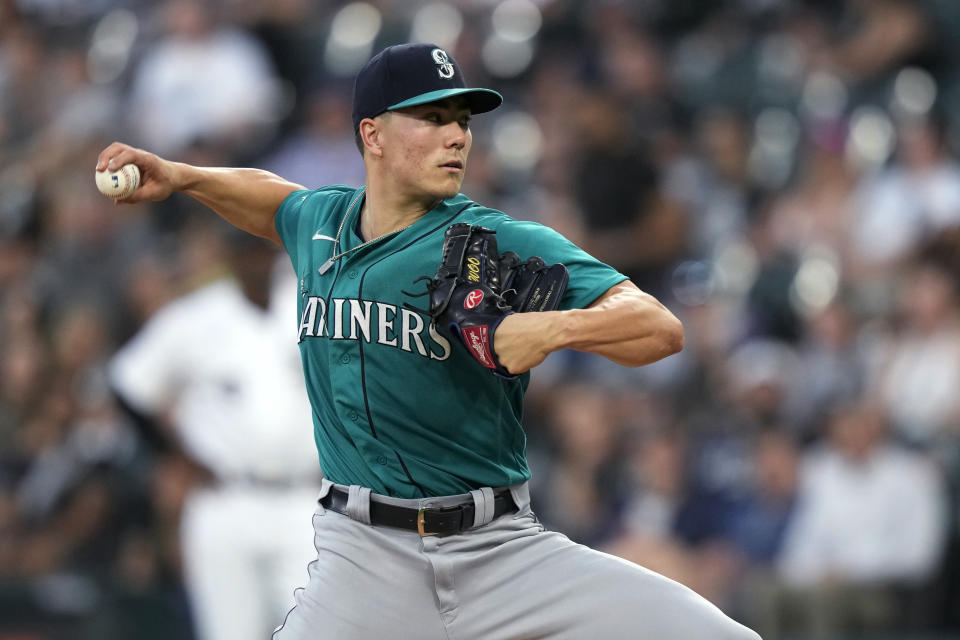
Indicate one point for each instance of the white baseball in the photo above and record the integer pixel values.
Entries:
(119, 184)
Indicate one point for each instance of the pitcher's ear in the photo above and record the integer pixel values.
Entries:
(371, 134)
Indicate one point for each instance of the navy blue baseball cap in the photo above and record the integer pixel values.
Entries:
(406, 75)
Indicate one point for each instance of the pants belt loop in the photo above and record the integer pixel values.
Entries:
(358, 503)
(483, 506)
(521, 495)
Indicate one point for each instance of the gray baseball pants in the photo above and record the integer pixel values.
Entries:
(508, 579)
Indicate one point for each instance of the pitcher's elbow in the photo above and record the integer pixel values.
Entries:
(674, 336)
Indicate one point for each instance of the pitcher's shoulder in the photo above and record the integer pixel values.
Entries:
(331, 193)
(324, 201)
(479, 214)
(337, 189)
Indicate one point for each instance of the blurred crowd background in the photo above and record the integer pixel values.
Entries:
(782, 174)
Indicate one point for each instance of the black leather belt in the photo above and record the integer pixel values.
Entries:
(426, 522)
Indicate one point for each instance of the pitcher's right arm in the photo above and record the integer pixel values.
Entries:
(246, 198)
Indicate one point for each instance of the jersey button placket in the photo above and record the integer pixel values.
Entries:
(345, 358)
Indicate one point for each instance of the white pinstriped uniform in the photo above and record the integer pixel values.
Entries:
(229, 374)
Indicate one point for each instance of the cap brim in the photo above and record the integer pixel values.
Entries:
(479, 100)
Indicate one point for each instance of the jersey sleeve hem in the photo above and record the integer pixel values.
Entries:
(285, 209)
(613, 281)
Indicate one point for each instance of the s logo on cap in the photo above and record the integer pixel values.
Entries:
(444, 68)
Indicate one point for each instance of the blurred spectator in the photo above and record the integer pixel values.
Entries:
(628, 220)
(79, 110)
(582, 467)
(23, 104)
(321, 150)
(870, 520)
(815, 209)
(81, 257)
(771, 310)
(203, 80)
(757, 530)
(918, 369)
(665, 524)
(906, 204)
(833, 365)
(658, 474)
(761, 517)
(760, 375)
(713, 183)
(876, 34)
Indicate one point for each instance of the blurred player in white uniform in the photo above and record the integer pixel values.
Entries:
(221, 365)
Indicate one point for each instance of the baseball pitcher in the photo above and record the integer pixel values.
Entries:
(421, 314)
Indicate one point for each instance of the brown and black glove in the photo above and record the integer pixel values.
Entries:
(475, 288)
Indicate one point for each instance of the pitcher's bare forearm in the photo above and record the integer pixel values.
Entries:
(625, 325)
(246, 198)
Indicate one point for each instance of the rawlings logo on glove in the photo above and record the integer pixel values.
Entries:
(475, 288)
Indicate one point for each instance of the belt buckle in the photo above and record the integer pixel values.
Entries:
(421, 522)
(439, 511)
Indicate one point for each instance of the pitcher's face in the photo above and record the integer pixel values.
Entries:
(426, 146)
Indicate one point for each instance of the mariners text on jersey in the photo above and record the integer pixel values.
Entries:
(372, 322)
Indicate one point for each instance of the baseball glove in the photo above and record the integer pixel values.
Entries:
(475, 288)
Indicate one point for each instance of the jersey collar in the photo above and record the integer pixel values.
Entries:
(435, 216)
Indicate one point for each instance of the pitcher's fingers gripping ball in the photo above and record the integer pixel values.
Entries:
(475, 288)
(118, 184)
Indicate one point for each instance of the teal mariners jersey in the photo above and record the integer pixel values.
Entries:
(398, 405)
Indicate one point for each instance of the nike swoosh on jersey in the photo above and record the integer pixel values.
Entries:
(320, 236)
